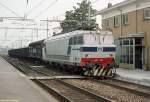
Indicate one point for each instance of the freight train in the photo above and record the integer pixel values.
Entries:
(87, 52)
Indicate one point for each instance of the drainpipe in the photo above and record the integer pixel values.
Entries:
(121, 33)
(120, 30)
(136, 18)
(121, 22)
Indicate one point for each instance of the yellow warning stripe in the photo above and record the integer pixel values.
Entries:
(109, 73)
(100, 72)
(104, 72)
(96, 72)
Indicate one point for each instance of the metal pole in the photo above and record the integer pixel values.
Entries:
(32, 35)
(47, 27)
(89, 13)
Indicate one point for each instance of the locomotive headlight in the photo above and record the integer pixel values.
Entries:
(86, 55)
(111, 55)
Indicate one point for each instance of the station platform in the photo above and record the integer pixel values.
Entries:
(135, 76)
(15, 87)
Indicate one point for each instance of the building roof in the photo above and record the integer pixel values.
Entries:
(126, 2)
(133, 35)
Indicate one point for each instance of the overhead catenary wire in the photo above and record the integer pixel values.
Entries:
(35, 7)
(43, 11)
(72, 20)
(21, 28)
(12, 11)
(94, 1)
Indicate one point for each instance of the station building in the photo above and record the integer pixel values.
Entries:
(129, 22)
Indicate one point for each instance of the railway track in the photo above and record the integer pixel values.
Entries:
(127, 86)
(118, 94)
(66, 92)
(36, 71)
(124, 88)
(45, 69)
(24, 68)
(31, 71)
(48, 68)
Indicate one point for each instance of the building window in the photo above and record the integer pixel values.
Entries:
(126, 51)
(116, 21)
(147, 13)
(125, 19)
(107, 23)
(103, 24)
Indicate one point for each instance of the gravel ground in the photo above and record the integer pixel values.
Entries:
(107, 91)
(137, 87)
(51, 71)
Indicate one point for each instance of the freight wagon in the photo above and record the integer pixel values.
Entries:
(19, 53)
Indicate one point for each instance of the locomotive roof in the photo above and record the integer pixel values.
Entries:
(40, 42)
(19, 48)
(76, 33)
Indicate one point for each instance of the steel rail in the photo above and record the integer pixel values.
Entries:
(84, 91)
(126, 88)
(73, 96)
(20, 66)
(35, 69)
(52, 91)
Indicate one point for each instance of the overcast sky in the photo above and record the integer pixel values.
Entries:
(45, 8)
(36, 9)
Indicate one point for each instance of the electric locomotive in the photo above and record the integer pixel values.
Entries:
(89, 52)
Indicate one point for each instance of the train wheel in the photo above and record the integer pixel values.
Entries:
(79, 70)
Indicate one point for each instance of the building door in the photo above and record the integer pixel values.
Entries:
(125, 52)
(138, 53)
(138, 57)
(130, 52)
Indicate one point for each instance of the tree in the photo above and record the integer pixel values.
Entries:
(79, 18)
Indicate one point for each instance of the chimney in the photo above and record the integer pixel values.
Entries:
(109, 5)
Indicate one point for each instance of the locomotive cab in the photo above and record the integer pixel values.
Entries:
(77, 48)
(92, 48)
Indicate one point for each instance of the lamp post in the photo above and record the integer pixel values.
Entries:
(47, 27)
